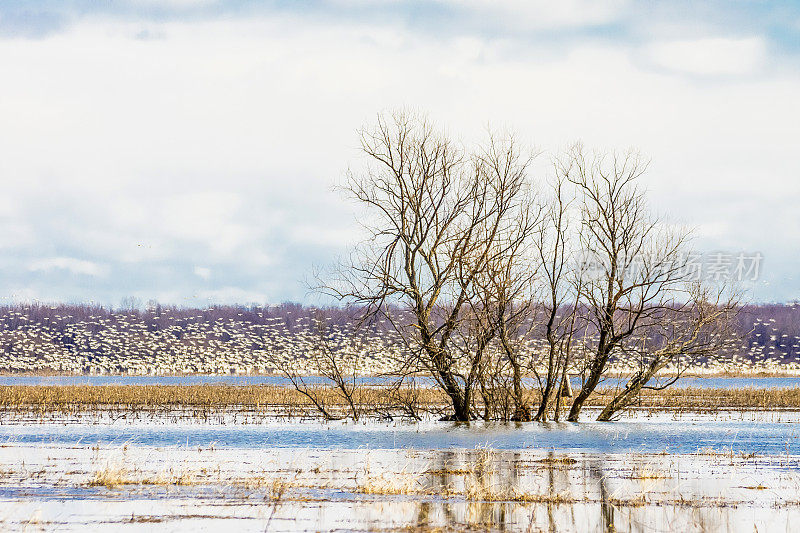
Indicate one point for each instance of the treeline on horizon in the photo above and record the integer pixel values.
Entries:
(774, 328)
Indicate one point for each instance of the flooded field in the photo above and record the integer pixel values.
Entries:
(734, 471)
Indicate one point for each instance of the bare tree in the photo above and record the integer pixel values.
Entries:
(637, 272)
(503, 295)
(331, 354)
(560, 301)
(439, 218)
(465, 268)
(699, 327)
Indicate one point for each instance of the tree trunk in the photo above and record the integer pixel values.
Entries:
(462, 411)
(577, 404)
(566, 387)
(620, 401)
(522, 412)
(595, 373)
(461, 405)
(488, 405)
(550, 382)
(631, 390)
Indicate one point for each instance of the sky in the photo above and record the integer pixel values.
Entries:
(187, 151)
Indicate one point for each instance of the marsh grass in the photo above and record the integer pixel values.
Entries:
(392, 485)
(756, 487)
(478, 487)
(207, 400)
(112, 476)
(117, 474)
(558, 460)
(643, 472)
(450, 472)
(710, 400)
(199, 399)
(474, 491)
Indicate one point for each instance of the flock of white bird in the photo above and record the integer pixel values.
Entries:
(257, 342)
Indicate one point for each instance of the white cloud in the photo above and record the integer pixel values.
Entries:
(171, 3)
(710, 57)
(70, 264)
(321, 236)
(543, 14)
(217, 145)
(202, 272)
(232, 295)
(207, 217)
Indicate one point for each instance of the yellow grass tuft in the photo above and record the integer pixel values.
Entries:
(111, 476)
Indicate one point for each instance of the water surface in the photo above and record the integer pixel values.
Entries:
(682, 435)
(701, 382)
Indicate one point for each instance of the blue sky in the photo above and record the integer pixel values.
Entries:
(186, 151)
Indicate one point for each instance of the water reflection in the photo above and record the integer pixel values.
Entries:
(399, 487)
(514, 491)
(417, 490)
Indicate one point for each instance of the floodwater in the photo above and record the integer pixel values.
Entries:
(701, 382)
(770, 433)
(722, 472)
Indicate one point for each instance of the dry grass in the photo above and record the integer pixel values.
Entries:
(198, 398)
(287, 401)
(450, 472)
(474, 490)
(391, 485)
(558, 460)
(112, 476)
(643, 472)
(701, 399)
